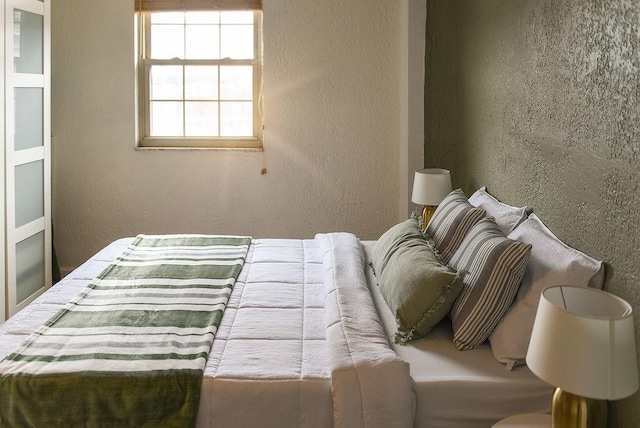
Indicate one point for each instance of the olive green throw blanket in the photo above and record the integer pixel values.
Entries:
(130, 350)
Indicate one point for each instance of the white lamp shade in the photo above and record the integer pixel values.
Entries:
(430, 186)
(583, 342)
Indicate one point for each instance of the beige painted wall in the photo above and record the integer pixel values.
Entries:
(545, 111)
(332, 96)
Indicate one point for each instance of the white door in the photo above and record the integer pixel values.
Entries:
(27, 151)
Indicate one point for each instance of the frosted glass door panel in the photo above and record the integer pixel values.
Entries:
(28, 42)
(29, 118)
(29, 266)
(29, 192)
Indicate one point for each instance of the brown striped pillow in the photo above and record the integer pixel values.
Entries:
(495, 266)
(450, 223)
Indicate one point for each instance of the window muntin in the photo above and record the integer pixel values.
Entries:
(200, 94)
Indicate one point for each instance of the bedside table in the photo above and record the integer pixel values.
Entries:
(529, 420)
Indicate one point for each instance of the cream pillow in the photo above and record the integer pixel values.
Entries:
(551, 262)
(507, 216)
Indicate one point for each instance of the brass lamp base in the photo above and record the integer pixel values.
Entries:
(572, 411)
(427, 213)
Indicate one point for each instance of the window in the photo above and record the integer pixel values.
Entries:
(199, 74)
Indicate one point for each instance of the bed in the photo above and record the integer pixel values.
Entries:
(307, 339)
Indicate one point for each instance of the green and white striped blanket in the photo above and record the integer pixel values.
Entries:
(130, 350)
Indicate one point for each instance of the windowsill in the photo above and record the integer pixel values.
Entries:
(188, 149)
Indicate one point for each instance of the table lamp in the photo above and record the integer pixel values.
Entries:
(583, 343)
(430, 186)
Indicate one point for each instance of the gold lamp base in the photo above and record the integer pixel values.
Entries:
(427, 213)
(572, 411)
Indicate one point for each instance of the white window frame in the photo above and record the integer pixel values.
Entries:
(143, 65)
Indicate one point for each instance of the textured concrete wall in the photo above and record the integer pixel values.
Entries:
(332, 132)
(440, 88)
(546, 102)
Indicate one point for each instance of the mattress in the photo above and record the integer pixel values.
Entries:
(271, 356)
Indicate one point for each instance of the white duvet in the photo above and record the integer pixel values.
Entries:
(300, 343)
(371, 385)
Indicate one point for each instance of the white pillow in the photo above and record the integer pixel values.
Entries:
(507, 216)
(551, 262)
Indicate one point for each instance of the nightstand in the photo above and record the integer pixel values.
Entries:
(529, 420)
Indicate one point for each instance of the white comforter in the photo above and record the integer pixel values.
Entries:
(300, 343)
(371, 384)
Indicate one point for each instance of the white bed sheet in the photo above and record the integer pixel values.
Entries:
(461, 388)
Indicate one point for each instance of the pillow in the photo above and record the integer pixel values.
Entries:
(417, 287)
(507, 217)
(552, 262)
(385, 245)
(450, 223)
(495, 265)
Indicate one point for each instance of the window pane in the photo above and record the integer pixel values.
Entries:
(234, 17)
(236, 82)
(166, 82)
(203, 17)
(201, 82)
(203, 42)
(237, 41)
(166, 119)
(167, 41)
(29, 110)
(201, 119)
(27, 42)
(29, 266)
(167, 18)
(236, 119)
(29, 187)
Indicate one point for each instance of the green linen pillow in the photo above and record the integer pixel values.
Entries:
(384, 247)
(417, 287)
